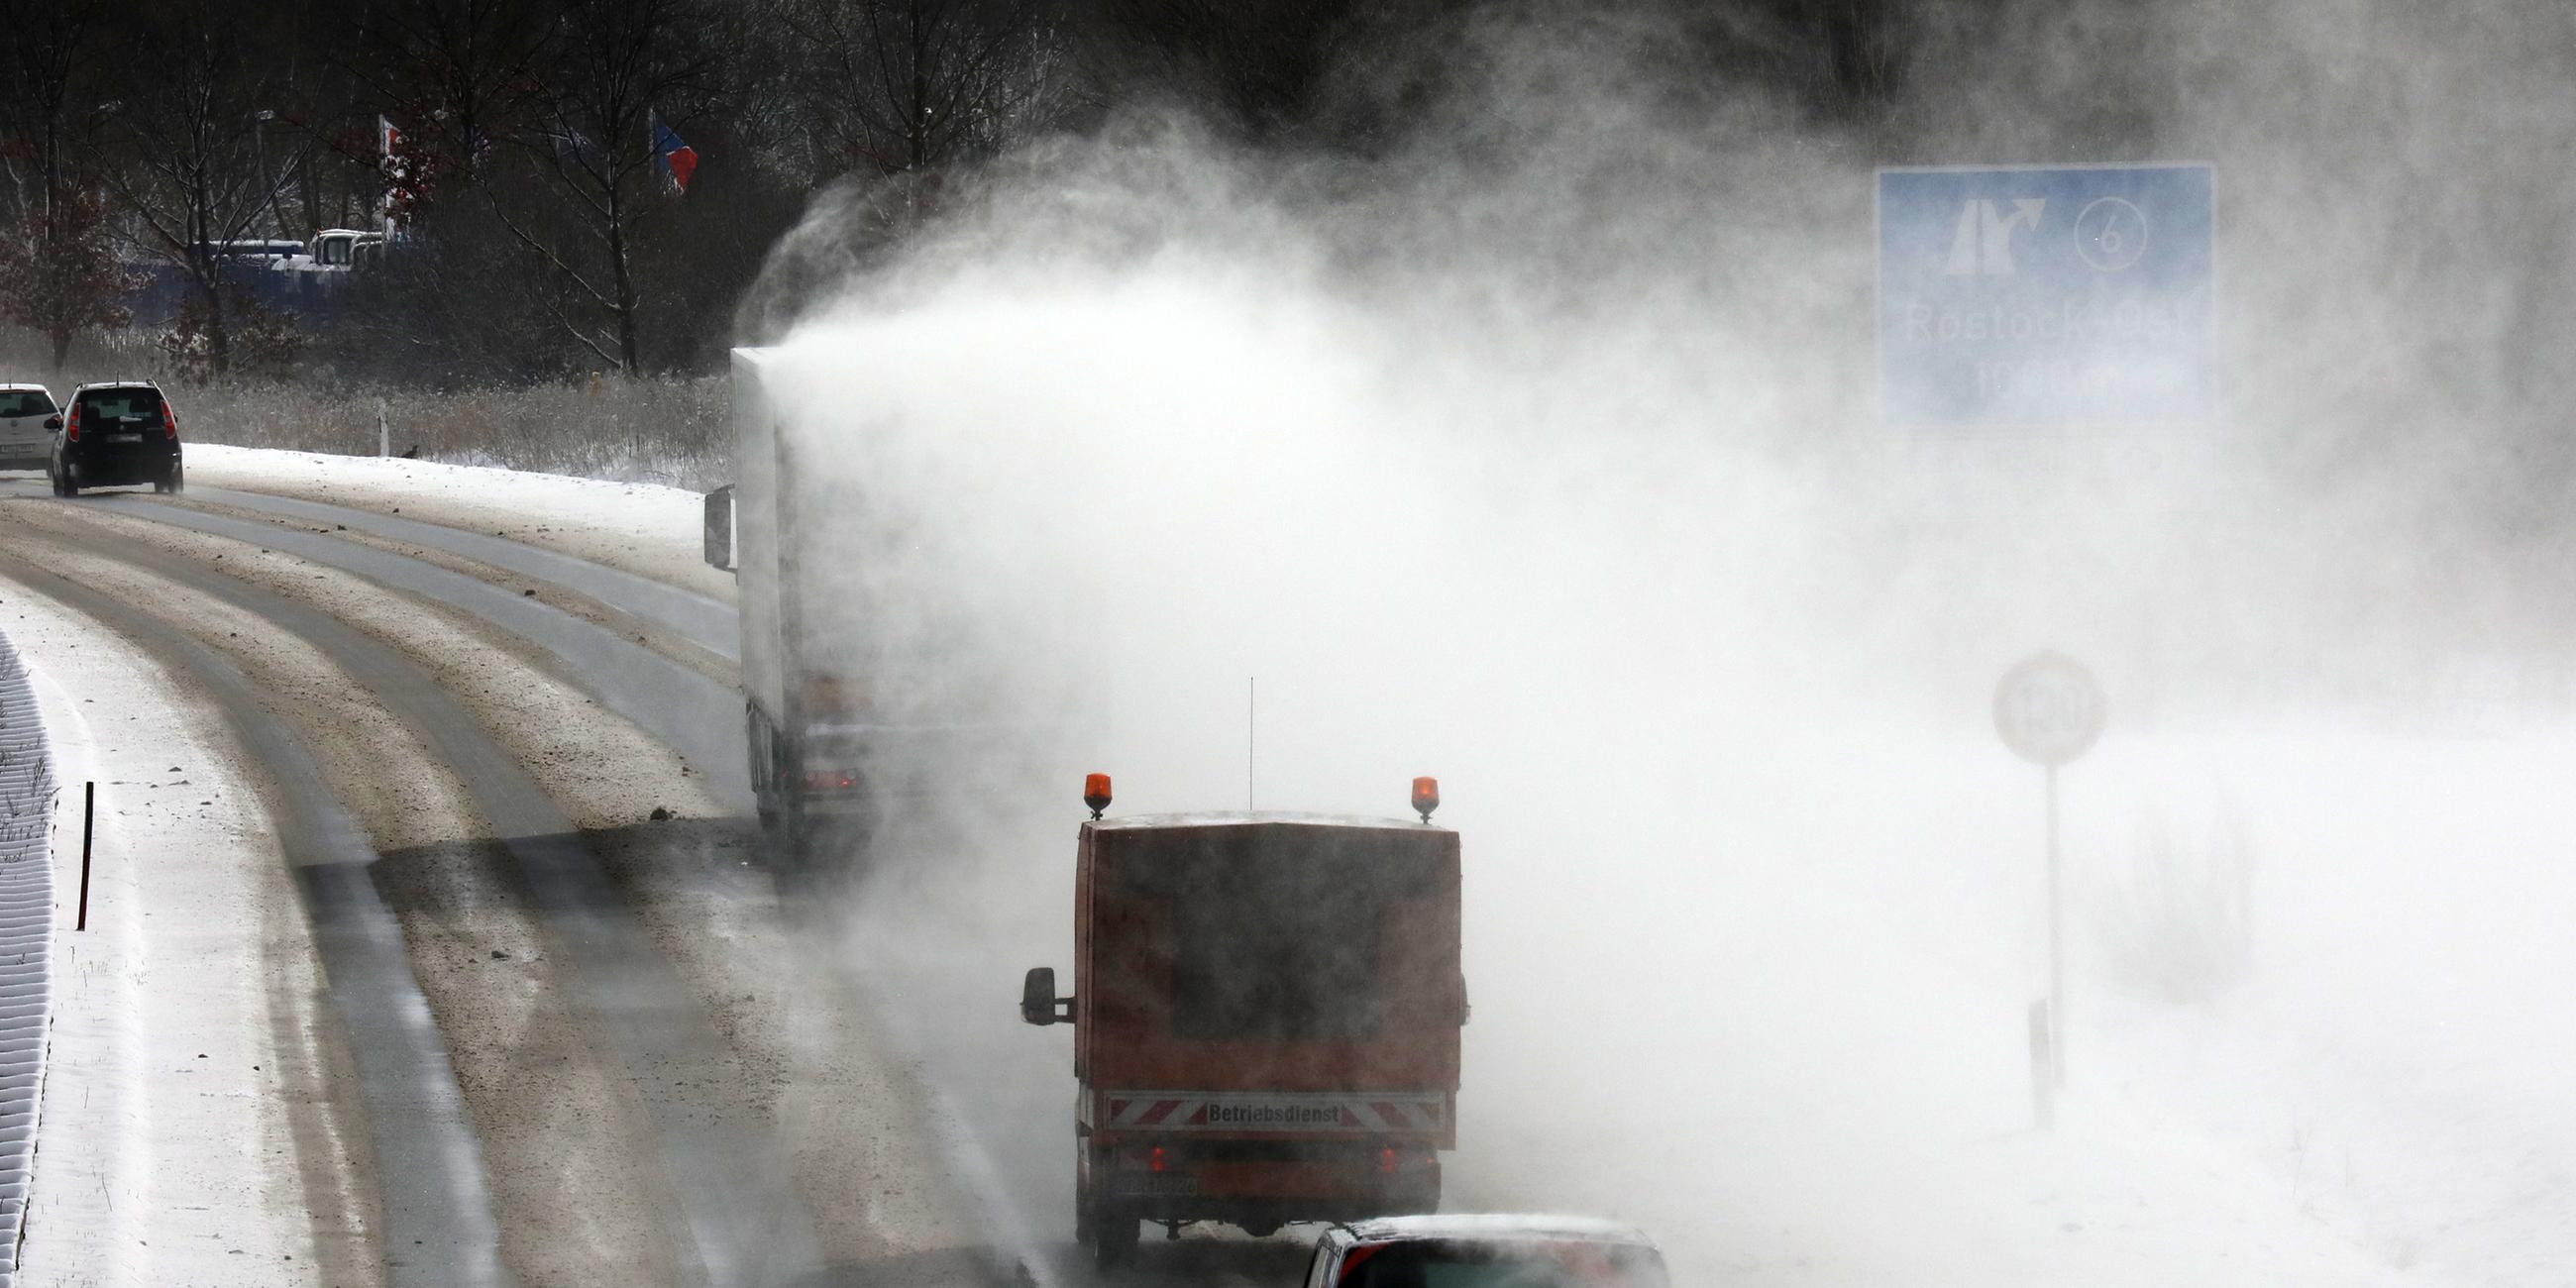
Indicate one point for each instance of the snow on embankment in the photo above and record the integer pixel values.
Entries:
(645, 528)
(191, 1133)
(26, 929)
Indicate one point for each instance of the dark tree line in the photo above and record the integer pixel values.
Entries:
(539, 235)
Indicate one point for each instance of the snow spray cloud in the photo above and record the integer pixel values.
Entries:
(1537, 456)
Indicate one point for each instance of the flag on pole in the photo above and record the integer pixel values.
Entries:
(398, 191)
(677, 160)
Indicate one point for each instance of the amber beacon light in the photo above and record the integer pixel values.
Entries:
(1426, 797)
(1095, 792)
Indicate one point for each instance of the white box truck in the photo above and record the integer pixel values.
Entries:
(885, 702)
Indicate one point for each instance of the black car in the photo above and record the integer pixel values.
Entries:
(116, 435)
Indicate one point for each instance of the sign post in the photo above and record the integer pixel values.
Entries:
(2050, 710)
(2072, 296)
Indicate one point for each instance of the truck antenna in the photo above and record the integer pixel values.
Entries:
(1251, 715)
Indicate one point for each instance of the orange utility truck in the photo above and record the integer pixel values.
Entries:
(1266, 1011)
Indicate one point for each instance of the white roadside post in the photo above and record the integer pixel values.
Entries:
(384, 431)
(2050, 710)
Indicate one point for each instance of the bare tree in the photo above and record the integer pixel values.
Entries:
(1262, 66)
(900, 85)
(612, 67)
(46, 93)
(456, 75)
(59, 274)
(187, 159)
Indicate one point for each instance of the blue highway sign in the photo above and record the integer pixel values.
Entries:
(2036, 296)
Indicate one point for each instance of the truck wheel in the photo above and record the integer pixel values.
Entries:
(1114, 1242)
(806, 871)
(1084, 1228)
(795, 882)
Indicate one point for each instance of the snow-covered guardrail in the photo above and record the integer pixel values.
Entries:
(26, 933)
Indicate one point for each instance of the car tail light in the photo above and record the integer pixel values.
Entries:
(169, 420)
(1156, 1161)
(1352, 1259)
(71, 423)
(830, 780)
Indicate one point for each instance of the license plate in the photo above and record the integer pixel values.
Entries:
(125, 438)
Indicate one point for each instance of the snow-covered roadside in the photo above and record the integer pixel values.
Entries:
(2397, 1056)
(26, 934)
(645, 528)
(168, 1153)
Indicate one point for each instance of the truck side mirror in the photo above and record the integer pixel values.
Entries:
(720, 552)
(1038, 1002)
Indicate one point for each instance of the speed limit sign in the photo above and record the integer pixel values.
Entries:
(2049, 709)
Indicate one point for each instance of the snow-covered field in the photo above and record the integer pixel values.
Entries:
(2379, 1098)
(2399, 1058)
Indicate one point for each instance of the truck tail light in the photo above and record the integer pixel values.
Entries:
(1386, 1160)
(830, 780)
(1157, 1162)
(169, 420)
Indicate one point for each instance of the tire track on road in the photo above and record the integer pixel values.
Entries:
(993, 1129)
(429, 1171)
(676, 704)
(710, 624)
(984, 1096)
(744, 1221)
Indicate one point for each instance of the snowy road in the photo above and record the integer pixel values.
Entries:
(428, 1165)
(665, 1080)
(460, 737)
(655, 1155)
(1003, 1114)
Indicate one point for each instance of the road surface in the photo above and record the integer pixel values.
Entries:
(587, 1045)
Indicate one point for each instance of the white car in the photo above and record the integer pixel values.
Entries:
(26, 440)
(1486, 1252)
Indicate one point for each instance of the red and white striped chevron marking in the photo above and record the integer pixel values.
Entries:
(1187, 1111)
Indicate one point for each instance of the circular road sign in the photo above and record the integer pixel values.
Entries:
(2110, 234)
(2049, 709)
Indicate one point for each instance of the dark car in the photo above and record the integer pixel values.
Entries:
(117, 435)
